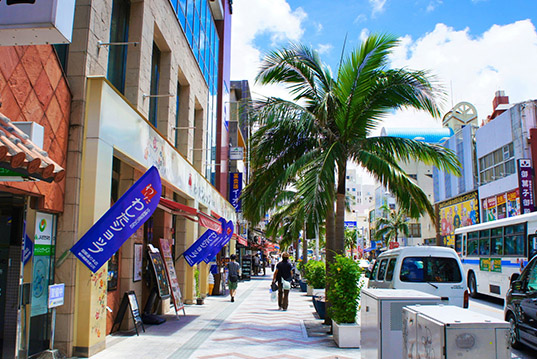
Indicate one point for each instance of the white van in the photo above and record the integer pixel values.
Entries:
(430, 269)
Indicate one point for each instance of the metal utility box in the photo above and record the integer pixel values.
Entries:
(451, 332)
(382, 321)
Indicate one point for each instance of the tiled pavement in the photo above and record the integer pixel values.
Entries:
(251, 327)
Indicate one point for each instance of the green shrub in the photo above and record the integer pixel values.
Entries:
(315, 273)
(344, 289)
(197, 282)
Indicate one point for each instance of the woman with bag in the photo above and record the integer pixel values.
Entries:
(233, 276)
(283, 275)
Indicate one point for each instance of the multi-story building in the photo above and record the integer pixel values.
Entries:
(360, 198)
(144, 83)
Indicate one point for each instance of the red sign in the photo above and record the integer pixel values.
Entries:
(393, 245)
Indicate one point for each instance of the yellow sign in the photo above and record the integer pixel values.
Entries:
(458, 212)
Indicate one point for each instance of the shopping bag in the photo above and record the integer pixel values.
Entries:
(286, 285)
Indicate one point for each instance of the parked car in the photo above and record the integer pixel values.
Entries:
(521, 307)
(430, 269)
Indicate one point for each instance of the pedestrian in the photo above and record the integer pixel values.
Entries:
(264, 264)
(283, 273)
(272, 263)
(256, 264)
(233, 276)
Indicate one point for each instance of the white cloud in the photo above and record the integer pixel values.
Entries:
(378, 6)
(360, 18)
(364, 34)
(324, 48)
(433, 4)
(261, 17)
(471, 68)
(319, 27)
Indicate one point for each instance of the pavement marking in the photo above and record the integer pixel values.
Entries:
(194, 343)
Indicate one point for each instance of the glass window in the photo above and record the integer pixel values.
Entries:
(495, 232)
(155, 77)
(458, 243)
(382, 269)
(430, 269)
(473, 247)
(496, 246)
(531, 282)
(117, 55)
(484, 234)
(389, 271)
(374, 270)
(484, 247)
(514, 245)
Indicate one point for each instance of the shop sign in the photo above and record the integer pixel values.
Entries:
(43, 249)
(235, 189)
(503, 205)
(27, 249)
(525, 183)
(130, 212)
(199, 249)
(236, 153)
(457, 212)
(36, 22)
(350, 224)
(56, 293)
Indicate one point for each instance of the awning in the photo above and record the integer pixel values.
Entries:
(240, 239)
(193, 214)
(18, 153)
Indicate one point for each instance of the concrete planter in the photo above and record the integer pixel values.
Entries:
(346, 335)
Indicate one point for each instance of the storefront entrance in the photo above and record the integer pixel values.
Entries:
(11, 227)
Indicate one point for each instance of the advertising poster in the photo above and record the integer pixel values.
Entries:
(455, 213)
(172, 276)
(44, 224)
(525, 181)
(501, 206)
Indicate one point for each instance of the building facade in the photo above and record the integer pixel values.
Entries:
(140, 85)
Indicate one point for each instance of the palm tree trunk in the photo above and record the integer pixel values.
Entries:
(305, 245)
(330, 253)
(340, 208)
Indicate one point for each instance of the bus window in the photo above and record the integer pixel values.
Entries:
(473, 245)
(458, 243)
(484, 247)
(514, 245)
(382, 269)
(496, 246)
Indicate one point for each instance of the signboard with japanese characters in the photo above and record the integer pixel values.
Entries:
(525, 182)
(56, 293)
(43, 250)
(36, 22)
(236, 153)
(235, 189)
(172, 276)
(130, 212)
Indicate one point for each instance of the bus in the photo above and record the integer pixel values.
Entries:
(491, 252)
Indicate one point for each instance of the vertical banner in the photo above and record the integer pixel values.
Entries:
(225, 237)
(44, 225)
(200, 248)
(235, 189)
(525, 183)
(131, 211)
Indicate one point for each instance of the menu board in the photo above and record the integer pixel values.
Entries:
(160, 272)
(129, 300)
(246, 267)
(172, 277)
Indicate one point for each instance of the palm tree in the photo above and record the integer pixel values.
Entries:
(329, 122)
(350, 240)
(389, 227)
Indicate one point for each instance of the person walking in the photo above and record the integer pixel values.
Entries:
(233, 276)
(272, 263)
(256, 264)
(283, 273)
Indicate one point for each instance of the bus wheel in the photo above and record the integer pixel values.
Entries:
(472, 285)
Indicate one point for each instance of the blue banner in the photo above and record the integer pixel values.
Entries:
(27, 249)
(235, 189)
(200, 249)
(350, 224)
(135, 207)
(225, 237)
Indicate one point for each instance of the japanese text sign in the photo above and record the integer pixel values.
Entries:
(525, 182)
(201, 248)
(56, 293)
(131, 211)
(227, 233)
(235, 189)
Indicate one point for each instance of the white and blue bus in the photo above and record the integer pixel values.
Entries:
(491, 252)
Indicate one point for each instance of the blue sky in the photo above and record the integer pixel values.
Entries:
(474, 47)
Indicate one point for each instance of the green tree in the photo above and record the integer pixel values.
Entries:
(350, 240)
(329, 122)
(389, 227)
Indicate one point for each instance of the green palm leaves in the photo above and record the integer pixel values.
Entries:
(305, 144)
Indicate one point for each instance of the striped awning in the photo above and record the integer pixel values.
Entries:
(19, 154)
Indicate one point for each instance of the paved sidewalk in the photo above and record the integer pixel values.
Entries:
(251, 327)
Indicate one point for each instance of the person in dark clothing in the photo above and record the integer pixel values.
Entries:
(284, 270)
(233, 276)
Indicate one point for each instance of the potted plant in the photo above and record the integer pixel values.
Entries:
(302, 282)
(315, 274)
(199, 299)
(343, 295)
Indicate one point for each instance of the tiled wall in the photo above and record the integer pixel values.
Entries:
(33, 88)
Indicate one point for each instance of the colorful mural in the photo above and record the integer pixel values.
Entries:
(458, 212)
(501, 206)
